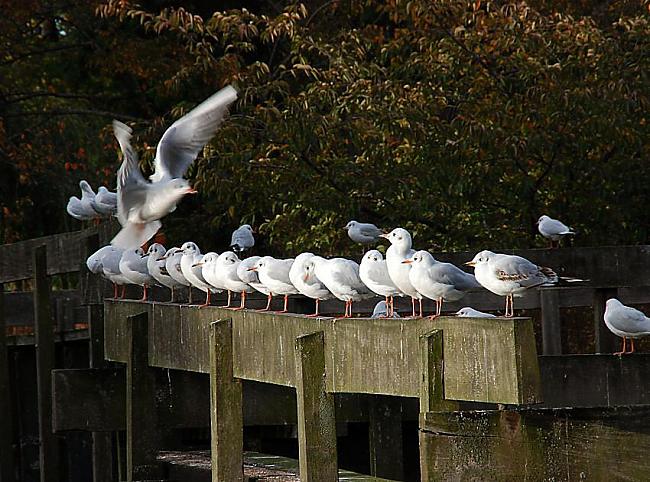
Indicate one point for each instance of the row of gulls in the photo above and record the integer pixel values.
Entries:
(91, 205)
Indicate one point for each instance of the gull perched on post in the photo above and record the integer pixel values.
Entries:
(83, 209)
(373, 271)
(398, 251)
(363, 233)
(553, 229)
(626, 322)
(306, 282)
(141, 203)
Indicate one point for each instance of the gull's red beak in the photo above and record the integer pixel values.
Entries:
(191, 190)
(252, 269)
(384, 235)
(470, 263)
(407, 261)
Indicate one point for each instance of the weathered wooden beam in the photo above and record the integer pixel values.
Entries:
(49, 466)
(595, 380)
(143, 435)
(226, 413)
(316, 419)
(432, 388)
(551, 321)
(386, 437)
(605, 340)
(7, 460)
(492, 360)
(90, 399)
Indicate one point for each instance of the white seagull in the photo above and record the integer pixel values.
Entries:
(191, 264)
(242, 238)
(508, 275)
(274, 275)
(140, 203)
(306, 282)
(133, 266)
(107, 255)
(398, 251)
(553, 229)
(373, 271)
(157, 266)
(111, 270)
(105, 202)
(381, 311)
(250, 277)
(469, 312)
(228, 263)
(83, 209)
(363, 233)
(626, 322)
(341, 277)
(173, 259)
(439, 281)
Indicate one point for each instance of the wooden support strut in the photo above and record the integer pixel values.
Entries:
(386, 438)
(7, 462)
(226, 409)
(551, 322)
(316, 419)
(48, 459)
(606, 341)
(142, 426)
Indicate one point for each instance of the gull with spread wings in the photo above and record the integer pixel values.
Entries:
(141, 203)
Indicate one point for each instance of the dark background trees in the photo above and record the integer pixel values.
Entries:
(462, 121)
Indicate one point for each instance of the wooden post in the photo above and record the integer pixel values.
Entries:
(49, 464)
(143, 435)
(432, 392)
(226, 412)
(549, 299)
(316, 420)
(7, 470)
(606, 341)
(386, 441)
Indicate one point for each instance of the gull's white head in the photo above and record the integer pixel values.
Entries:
(190, 248)
(309, 269)
(157, 250)
(209, 258)
(543, 217)
(228, 258)
(247, 227)
(85, 188)
(399, 237)
(373, 256)
(613, 303)
(481, 258)
(466, 312)
(422, 257)
(350, 225)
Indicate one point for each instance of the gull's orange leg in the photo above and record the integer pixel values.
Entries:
(413, 306)
(420, 303)
(208, 299)
(316, 313)
(144, 293)
(242, 302)
(228, 305)
(123, 292)
(286, 302)
(623, 351)
(632, 343)
(114, 291)
(268, 302)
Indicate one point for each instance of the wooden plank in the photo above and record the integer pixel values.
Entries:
(143, 434)
(226, 413)
(551, 321)
(595, 380)
(48, 459)
(537, 444)
(316, 420)
(606, 341)
(386, 437)
(7, 459)
(63, 250)
(490, 360)
(90, 399)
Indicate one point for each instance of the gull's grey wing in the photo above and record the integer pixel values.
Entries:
(522, 271)
(129, 177)
(182, 142)
(378, 272)
(346, 273)
(553, 226)
(450, 274)
(371, 230)
(281, 268)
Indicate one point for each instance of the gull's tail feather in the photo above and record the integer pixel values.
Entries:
(134, 235)
(569, 279)
(236, 248)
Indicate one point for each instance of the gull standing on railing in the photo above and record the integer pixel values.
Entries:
(306, 282)
(626, 322)
(398, 251)
(373, 271)
(274, 275)
(553, 229)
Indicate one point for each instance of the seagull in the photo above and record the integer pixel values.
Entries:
(341, 277)
(381, 311)
(552, 229)
(250, 277)
(363, 233)
(105, 202)
(140, 203)
(373, 271)
(111, 270)
(173, 259)
(96, 261)
(157, 266)
(302, 277)
(626, 322)
(228, 263)
(274, 275)
(191, 264)
(468, 312)
(398, 251)
(83, 209)
(439, 281)
(242, 238)
(508, 275)
(133, 266)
